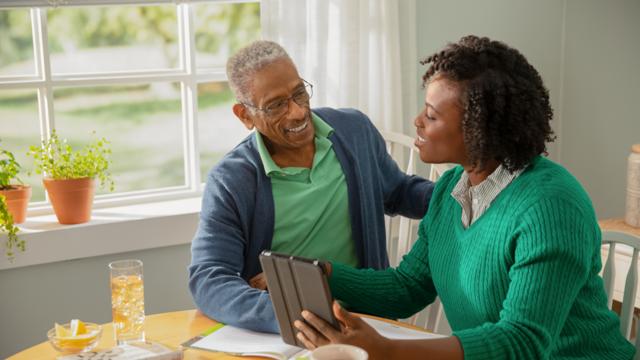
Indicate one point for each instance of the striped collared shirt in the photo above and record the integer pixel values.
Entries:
(475, 200)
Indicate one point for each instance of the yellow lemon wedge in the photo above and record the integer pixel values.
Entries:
(77, 327)
(75, 337)
(61, 331)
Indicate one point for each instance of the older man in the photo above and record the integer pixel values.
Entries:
(309, 183)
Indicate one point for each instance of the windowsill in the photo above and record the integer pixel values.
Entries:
(110, 231)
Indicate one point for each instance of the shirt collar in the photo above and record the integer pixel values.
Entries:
(488, 189)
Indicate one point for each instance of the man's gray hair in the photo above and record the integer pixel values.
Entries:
(243, 65)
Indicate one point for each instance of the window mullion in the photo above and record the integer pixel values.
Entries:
(113, 79)
(43, 71)
(189, 97)
(27, 82)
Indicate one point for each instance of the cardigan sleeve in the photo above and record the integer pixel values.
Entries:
(217, 261)
(392, 293)
(553, 249)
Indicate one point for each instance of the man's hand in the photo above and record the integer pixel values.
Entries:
(328, 268)
(259, 282)
(316, 332)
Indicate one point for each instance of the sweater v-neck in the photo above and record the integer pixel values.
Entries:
(497, 202)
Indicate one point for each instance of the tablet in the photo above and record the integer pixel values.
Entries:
(296, 284)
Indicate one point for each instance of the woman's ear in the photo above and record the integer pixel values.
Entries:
(241, 112)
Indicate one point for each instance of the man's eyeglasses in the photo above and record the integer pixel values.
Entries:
(280, 107)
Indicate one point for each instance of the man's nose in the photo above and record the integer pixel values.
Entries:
(296, 110)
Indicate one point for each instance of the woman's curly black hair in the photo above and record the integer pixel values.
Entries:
(506, 105)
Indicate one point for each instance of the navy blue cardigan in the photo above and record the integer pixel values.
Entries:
(237, 217)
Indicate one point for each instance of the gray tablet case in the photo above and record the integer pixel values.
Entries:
(296, 284)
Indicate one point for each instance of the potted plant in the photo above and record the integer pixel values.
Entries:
(16, 194)
(69, 175)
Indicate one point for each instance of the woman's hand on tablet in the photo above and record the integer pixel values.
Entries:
(316, 332)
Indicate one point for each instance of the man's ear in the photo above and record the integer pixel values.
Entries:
(242, 114)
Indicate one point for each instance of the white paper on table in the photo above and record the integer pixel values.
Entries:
(233, 340)
(393, 331)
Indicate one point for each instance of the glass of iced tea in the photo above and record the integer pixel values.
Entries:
(127, 300)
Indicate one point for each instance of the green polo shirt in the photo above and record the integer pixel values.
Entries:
(311, 205)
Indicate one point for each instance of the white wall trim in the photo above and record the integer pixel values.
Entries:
(560, 112)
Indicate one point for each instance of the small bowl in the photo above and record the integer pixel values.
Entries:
(76, 344)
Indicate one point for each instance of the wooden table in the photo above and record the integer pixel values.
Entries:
(171, 329)
(618, 225)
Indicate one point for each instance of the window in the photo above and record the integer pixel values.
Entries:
(148, 76)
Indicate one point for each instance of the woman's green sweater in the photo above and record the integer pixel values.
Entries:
(520, 283)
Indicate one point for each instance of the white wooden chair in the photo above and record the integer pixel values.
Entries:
(614, 238)
(402, 231)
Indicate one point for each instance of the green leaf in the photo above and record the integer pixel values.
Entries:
(58, 160)
(7, 226)
(9, 169)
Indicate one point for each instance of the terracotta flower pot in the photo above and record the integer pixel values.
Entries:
(18, 197)
(71, 199)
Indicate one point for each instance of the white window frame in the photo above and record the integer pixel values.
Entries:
(187, 74)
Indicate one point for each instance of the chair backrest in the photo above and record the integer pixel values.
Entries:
(402, 231)
(613, 239)
(401, 149)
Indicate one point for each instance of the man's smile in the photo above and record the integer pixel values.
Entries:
(298, 128)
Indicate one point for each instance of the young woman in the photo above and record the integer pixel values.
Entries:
(510, 243)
